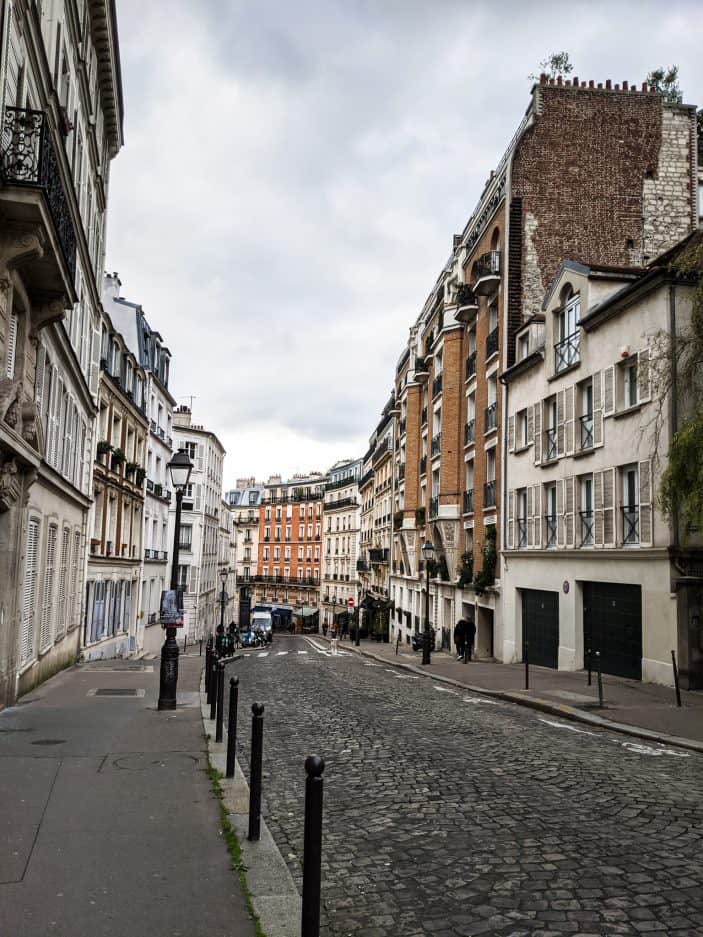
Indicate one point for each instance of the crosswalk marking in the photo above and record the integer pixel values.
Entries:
(302, 652)
(444, 689)
(281, 653)
(263, 654)
(318, 648)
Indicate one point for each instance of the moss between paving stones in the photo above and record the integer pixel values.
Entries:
(233, 846)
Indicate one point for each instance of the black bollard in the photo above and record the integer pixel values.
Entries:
(600, 680)
(213, 688)
(257, 750)
(465, 655)
(588, 654)
(676, 679)
(185, 641)
(200, 651)
(220, 703)
(232, 726)
(527, 665)
(208, 665)
(397, 642)
(312, 847)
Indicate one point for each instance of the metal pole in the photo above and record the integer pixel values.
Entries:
(220, 708)
(600, 680)
(232, 726)
(357, 642)
(185, 641)
(397, 642)
(426, 657)
(168, 676)
(200, 652)
(257, 747)
(208, 665)
(676, 679)
(588, 654)
(312, 847)
(213, 689)
(222, 606)
(526, 655)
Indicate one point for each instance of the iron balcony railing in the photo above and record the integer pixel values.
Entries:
(402, 426)
(566, 352)
(586, 430)
(379, 556)
(437, 385)
(586, 527)
(28, 158)
(491, 416)
(424, 415)
(471, 365)
(521, 532)
(469, 501)
(489, 494)
(434, 506)
(488, 265)
(469, 432)
(630, 523)
(492, 343)
(551, 440)
(551, 525)
(436, 444)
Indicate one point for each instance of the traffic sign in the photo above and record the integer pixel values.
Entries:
(350, 602)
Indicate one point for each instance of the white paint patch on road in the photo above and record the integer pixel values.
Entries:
(640, 749)
(565, 725)
(444, 689)
(479, 701)
(368, 664)
(302, 652)
(281, 654)
(263, 654)
(405, 676)
(318, 648)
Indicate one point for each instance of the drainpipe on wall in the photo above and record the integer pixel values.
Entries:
(673, 410)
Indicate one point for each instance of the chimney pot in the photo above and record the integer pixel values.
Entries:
(644, 86)
(608, 84)
(600, 85)
(591, 84)
(576, 82)
(625, 86)
(559, 81)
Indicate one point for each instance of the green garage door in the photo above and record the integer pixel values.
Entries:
(540, 626)
(612, 624)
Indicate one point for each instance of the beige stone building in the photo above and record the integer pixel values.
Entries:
(340, 540)
(244, 501)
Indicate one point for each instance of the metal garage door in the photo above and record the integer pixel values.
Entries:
(612, 624)
(540, 626)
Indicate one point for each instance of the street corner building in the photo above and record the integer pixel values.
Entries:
(61, 110)
(515, 428)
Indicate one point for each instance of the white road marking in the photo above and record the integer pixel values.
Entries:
(477, 700)
(367, 664)
(639, 749)
(302, 652)
(263, 654)
(444, 689)
(405, 676)
(564, 725)
(281, 653)
(318, 648)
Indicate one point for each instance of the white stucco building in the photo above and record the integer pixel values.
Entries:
(340, 538)
(244, 502)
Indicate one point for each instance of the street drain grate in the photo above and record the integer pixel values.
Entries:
(115, 691)
(49, 742)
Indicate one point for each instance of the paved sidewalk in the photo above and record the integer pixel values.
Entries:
(642, 709)
(109, 824)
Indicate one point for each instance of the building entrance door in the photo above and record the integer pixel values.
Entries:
(540, 627)
(612, 624)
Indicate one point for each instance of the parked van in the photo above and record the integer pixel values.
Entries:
(263, 622)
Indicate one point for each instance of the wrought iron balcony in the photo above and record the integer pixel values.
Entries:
(401, 471)
(487, 272)
(424, 415)
(467, 303)
(420, 516)
(586, 430)
(434, 506)
(469, 432)
(469, 501)
(586, 528)
(551, 525)
(436, 444)
(491, 416)
(437, 385)
(630, 523)
(401, 427)
(398, 520)
(379, 556)
(492, 343)
(521, 532)
(566, 352)
(471, 365)
(423, 464)
(362, 566)
(28, 158)
(489, 494)
(551, 450)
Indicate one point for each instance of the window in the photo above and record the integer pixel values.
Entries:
(630, 505)
(585, 391)
(551, 428)
(566, 348)
(190, 448)
(522, 517)
(521, 440)
(628, 381)
(46, 630)
(185, 538)
(29, 592)
(586, 512)
(11, 345)
(551, 515)
(489, 492)
(523, 346)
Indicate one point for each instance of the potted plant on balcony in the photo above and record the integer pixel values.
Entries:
(130, 468)
(420, 516)
(466, 574)
(442, 568)
(140, 475)
(486, 576)
(103, 447)
(118, 457)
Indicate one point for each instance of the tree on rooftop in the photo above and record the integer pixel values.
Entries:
(555, 65)
(665, 81)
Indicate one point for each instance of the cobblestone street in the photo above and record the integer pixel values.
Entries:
(448, 814)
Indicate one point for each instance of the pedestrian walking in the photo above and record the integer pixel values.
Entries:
(470, 637)
(334, 636)
(460, 637)
(220, 640)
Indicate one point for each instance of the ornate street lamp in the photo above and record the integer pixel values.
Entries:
(428, 554)
(224, 573)
(179, 468)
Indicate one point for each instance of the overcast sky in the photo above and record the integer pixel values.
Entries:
(293, 174)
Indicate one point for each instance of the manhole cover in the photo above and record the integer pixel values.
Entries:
(48, 741)
(115, 691)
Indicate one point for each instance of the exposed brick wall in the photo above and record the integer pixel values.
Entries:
(412, 450)
(514, 275)
(592, 171)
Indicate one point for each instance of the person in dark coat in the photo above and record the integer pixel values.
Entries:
(220, 640)
(460, 637)
(470, 638)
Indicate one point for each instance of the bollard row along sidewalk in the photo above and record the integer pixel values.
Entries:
(274, 897)
(644, 710)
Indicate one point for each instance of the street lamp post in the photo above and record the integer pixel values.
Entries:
(428, 554)
(180, 468)
(357, 636)
(224, 573)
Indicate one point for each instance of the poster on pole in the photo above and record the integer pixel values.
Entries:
(171, 608)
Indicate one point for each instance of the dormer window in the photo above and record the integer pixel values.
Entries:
(523, 346)
(566, 328)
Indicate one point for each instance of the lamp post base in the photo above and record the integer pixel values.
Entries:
(168, 681)
(426, 647)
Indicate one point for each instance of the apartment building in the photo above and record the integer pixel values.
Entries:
(61, 107)
(447, 383)
(200, 524)
(244, 502)
(590, 562)
(155, 358)
(290, 544)
(226, 564)
(114, 572)
(340, 538)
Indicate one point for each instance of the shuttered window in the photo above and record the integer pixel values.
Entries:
(29, 597)
(74, 609)
(62, 598)
(47, 614)
(11, 346)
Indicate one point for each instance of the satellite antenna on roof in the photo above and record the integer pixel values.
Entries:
(191, 398)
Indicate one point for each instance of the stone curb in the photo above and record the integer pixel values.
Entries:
(273, 893)
(547, 706)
